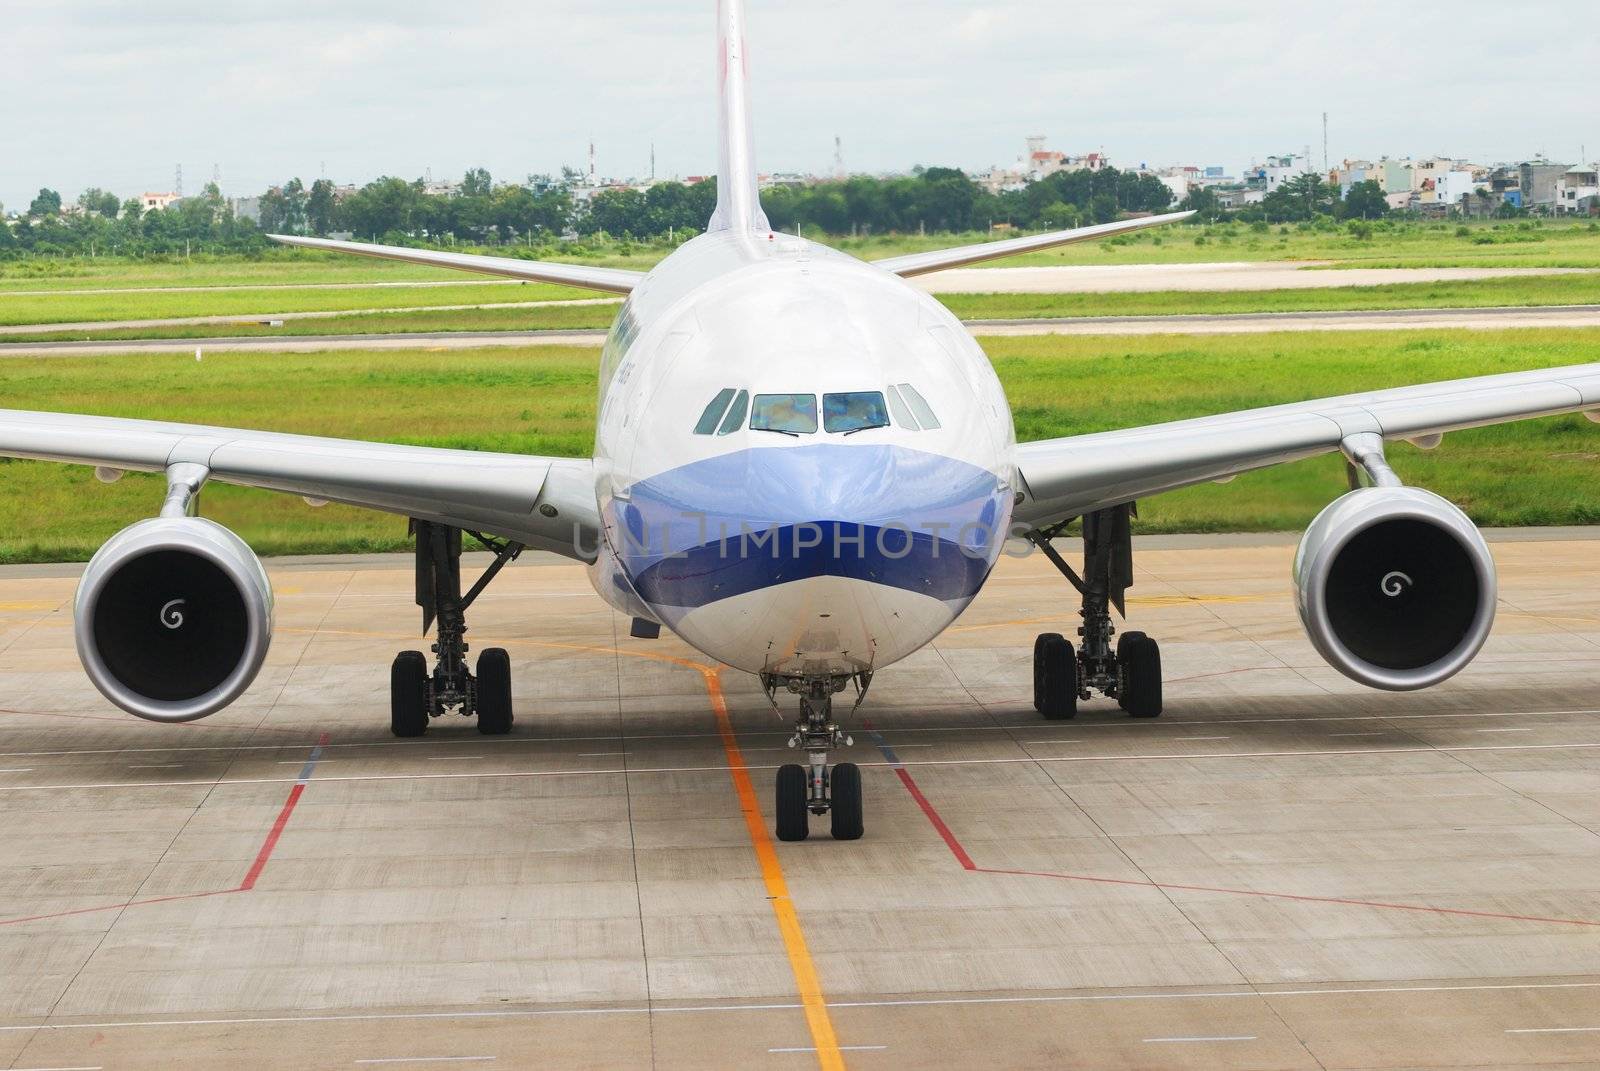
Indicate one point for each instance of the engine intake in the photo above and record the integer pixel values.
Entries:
(1395, 587)
(173, 618)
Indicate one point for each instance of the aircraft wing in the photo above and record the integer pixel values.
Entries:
(542, 502)
(607, 280)
(1065, 478)
(940, 259)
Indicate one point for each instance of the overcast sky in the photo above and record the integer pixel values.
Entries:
(104, 92)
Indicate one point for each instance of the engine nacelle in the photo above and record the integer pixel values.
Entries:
(1395, 587)
(173, 618)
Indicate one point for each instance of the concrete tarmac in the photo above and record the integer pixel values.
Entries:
(1285, 871)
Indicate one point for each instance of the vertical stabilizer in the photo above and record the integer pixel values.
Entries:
(738, 199)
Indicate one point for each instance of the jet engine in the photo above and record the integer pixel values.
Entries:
(173, 618)
(1395, 587)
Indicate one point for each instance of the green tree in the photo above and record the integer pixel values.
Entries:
(1202, 200)
(95, 201)
(319, 207)
(1365, 200)
(48, 203)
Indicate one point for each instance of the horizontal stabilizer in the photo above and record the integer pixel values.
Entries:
(608, 280)
(940, 259)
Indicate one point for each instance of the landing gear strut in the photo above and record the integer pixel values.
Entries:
(415, 694)
(817, 788)
(1130, 672)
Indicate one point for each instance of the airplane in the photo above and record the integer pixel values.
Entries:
(805, 468)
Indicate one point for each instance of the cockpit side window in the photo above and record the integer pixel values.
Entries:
(790, 414)
(735, 418)
(708, 419)
(902, 415)
(853, 412)
(920, 407)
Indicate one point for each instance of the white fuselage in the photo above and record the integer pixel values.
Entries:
(804, 554)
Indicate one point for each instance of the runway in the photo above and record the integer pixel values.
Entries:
(1212, 277)
(1286, 871)
(1234, 323)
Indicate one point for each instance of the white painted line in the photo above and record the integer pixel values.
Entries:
(454, 758)
(1233, 1037)
(599, 754)
(1036, 743)
(1503, 730)
(19, 769)
(912, 1002)
(1192, 738)
(430, 1060)
(160, 766)
(842, 1048)
(1384, 733)
(97, 1067)
(1557, 1030)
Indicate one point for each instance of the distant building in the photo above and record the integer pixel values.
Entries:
(1401, 201)
(1040, 163)
(155, 202)
(246, 208)
(1453, 186)
(1239, 196)
(1538, 180)
(1578, 189)
(1275, 171)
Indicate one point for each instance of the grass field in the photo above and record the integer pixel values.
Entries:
(1526, 291)
(541, 400)
(71, 307)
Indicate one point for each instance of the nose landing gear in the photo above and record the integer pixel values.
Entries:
(1130, 673)
(817, 788)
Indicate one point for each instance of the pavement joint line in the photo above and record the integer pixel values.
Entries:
(1556, 1030)
(953, 843)
(716, 1009)
(259, 864)
(667, 770)
(1169, 723)
(1227, 1037)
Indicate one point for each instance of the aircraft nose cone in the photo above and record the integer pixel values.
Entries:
(766, 517)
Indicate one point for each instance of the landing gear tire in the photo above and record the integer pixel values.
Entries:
(1038, 667)
(1057, 666)
(1139, 658)
(844, 785)
(494, 692)
(1122, 654)
(408, 694)
(792, 806)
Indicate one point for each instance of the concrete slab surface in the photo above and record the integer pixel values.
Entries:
(1285, 871)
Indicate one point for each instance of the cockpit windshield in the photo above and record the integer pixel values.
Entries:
(791, 414)
(857, 411)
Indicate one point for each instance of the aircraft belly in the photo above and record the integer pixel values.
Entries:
(818, 626)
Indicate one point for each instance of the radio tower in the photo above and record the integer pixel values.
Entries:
(592, 180)
(177, 185)
(216, 176)
(838, 157)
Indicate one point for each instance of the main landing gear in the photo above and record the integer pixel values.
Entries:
(415, 694)
(1131, 672)
(817, 788)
